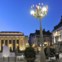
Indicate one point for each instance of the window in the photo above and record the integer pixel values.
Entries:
(17, 41)
(2, 41)
(13, 45)
(9, 41)
(6, 42)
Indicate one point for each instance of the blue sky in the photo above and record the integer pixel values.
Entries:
(15, 15)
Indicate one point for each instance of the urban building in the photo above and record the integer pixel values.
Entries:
(26, 41)
(35, 38)
(32, 38)
(57, 35)
(16, 41)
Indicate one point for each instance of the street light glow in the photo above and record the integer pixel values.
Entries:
(41, 15)
(32, 12)
(39, 11)
(44, 9)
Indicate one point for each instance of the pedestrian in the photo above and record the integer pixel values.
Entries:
(57, 55)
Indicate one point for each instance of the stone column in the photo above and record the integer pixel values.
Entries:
(54, 40)
(0, 45)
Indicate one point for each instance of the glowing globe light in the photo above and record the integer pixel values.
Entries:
(44, 9)
(39, 11)
(41, 15)
(32, 12)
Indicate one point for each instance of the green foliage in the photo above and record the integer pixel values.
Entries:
(30, 53)
(49, 53)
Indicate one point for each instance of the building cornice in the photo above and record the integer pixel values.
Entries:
(11, 33)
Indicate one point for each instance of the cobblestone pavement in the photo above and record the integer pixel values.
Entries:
(36, 60)
(56, 60)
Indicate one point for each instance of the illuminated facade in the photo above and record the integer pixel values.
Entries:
(35, 37)
(14, 40)
(57, 32)
(57, 36)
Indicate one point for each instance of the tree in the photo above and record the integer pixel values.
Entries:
(30, 54)
(49, 52)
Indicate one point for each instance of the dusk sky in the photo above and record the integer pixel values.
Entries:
(15, 15)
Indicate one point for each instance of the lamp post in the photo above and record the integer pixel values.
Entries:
(39, 11)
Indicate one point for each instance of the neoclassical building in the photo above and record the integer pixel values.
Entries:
(14, 40)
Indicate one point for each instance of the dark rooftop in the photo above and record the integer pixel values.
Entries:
(32, 34)
(37, 32)
(59, 25)
(44, 32)
(10, 32)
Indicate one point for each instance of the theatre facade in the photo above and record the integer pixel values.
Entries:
(14, 40)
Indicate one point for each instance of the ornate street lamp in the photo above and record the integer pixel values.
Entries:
(39, 11)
